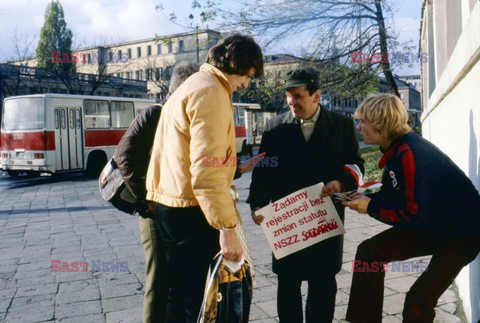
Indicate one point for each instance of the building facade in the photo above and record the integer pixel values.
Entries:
(451, 118)
(415, 80)
(149, 60)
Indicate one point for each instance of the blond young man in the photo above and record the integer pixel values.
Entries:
(433, 209)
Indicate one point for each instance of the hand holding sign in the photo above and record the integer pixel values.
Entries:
(257, 218)
(299, 220)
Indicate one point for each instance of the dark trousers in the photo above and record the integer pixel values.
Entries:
(190, 245)
(449, 256)
(320, 299)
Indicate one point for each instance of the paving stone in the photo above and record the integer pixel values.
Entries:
(401, 284)
(97, 318)
(130, 316)
(7, 293)
(37, 290)
(5, 304)
(30, 313)
(63, 277)
(38, 281)
(393, 304)
(442, 316)
(114, 279)
(39, 300)
(77, 291)
(340, 312)
(8, 268)
(122, 303)
(77, 309)
(256, 313)
(269, 307)
(121, 290)
(33, 273)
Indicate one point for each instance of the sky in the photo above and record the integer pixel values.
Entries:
(97, 22)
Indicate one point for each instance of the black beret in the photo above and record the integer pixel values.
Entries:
(301, 76)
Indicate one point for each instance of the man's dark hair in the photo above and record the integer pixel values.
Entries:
(312, 88)
(237, 54)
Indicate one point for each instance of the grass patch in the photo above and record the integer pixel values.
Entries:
(371, 155)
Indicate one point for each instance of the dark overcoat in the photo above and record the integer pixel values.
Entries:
(298, 164)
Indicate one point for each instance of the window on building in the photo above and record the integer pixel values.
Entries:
(122, 114)
(159, 49)
(181, 46)
(96, 114)
(170, 47)
(119, 55)
(149, 50)
(119, 75)
(89, 58)
(149, 74)
(139, 51)
(110, 57)
(158, 73)
(129, 53)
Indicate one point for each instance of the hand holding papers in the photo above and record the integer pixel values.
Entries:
(300, 220)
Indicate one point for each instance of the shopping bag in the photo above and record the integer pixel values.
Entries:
(228, 295)
(113, 189)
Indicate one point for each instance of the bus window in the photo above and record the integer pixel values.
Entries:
(56, 120)
(62, 119)
(122, 114)
(96, 114)
(71, 119)
(23, 114)
(239, 116)
(78, 114)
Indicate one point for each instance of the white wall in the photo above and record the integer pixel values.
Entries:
(452, 122)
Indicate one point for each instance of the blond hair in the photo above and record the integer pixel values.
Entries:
(386, 113)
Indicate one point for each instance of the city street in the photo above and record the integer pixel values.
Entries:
(64, 219)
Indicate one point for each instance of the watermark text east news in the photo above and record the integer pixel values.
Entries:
(382, 266)
(82, 266)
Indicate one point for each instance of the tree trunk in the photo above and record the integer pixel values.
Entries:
(385, 63)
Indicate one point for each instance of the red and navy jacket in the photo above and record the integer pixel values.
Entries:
(422, 187)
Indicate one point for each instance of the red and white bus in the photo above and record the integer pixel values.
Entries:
(249, 121)
(54, 133)
(51, 133)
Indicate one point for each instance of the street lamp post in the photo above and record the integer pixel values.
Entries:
(198, 47)
(196, 35)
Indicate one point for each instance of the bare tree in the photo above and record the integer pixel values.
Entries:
(16, 73)
(333, 33)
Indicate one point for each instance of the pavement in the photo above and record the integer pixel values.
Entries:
(66, 219)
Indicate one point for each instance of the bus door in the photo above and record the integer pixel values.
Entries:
(68, 138)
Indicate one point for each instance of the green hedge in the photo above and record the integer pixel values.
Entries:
(371, 155)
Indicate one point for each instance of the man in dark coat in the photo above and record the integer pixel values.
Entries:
(312, 145)
(132, 157)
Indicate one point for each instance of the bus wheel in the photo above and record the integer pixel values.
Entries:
(96, 162)
(13, 173)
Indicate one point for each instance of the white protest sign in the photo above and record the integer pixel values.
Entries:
(300, 220)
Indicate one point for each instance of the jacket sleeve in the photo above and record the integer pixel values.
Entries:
(210, 114)
(133, 151)
(261, 178)
(352, 169)
(415, 193)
